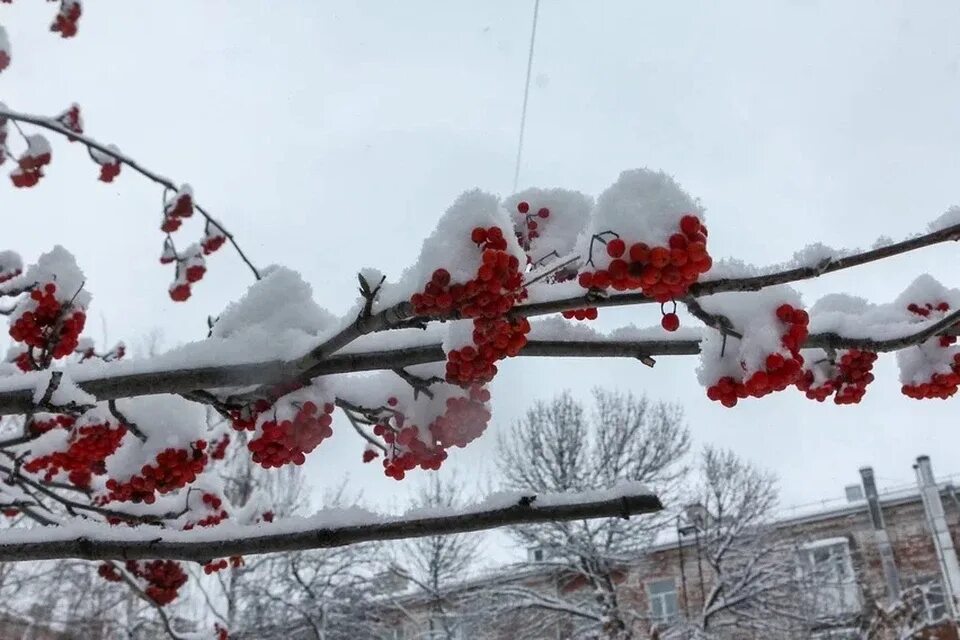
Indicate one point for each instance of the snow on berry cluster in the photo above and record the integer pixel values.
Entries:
(930, 369)
(548, 222)
(67, 18)
(169, 457)
(646, 233)
(418, 433)
(48, 321)
(289, 428)
(474, 269)
(11, 264)
(190, 263)
(844, 376)
(766, 358)
(161, 579)
(80, 452)
(109, 164)
(31, 162)
(71, 119)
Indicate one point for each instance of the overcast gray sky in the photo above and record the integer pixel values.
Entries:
(330, 136)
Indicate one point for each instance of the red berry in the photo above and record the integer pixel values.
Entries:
(670, 321)
(523, 207)
(690, 225)
(616, 248)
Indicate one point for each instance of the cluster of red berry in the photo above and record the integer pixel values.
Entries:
(851, 374)
(285, 441)
(39, 425)
(176, 208)
(213, 237)
(174, 468)
(109, 573)
(464, 419)
(660, 272)
(221, 632)
(163, 577)
(779, 372)
(88, 447)
(487, 299)
(493, 340)
(217, 565)
(109, 164)
(190, 269)
(71, 119)
(589, 313)
(31, 162)
(48, 325)
(67, 18)
(528, 230)
(215, 504)
(939, 385)
(218, 448)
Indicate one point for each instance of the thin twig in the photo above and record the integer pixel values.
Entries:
(56, 127)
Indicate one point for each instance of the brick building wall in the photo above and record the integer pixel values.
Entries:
(906, 527)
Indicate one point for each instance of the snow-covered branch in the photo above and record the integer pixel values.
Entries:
(93, 541)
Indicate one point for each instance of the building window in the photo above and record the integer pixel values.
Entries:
(826, 565)
(662, 595)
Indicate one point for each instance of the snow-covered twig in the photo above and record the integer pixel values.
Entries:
(51, 124)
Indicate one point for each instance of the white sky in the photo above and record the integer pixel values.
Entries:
(329, 136)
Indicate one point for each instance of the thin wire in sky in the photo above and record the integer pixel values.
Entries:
(526, 94)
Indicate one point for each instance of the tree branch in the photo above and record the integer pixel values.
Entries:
(51, 124)
(106, 543)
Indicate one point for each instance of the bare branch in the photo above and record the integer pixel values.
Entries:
(39, 544)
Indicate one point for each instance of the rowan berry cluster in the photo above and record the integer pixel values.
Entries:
(464, 420)
(214, 504)
(528, 230)
(176, 208)
(589, 313)
(163, 577)
(213, 237)
(48, 325)
(72, 120)
(661, 272)
(173, 469)
(67, 18)
(190, 269)
(218, 448)
(217, 565)
(486, 299)
(38, 424)
(88, 447)
(780, 369)
(939, 384)
(284, 441)
(109, 573)
(109, 164)
(31, 162)
(848, 378)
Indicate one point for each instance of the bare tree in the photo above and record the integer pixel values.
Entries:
(746, 580)
(559, 447)
(434, 566)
